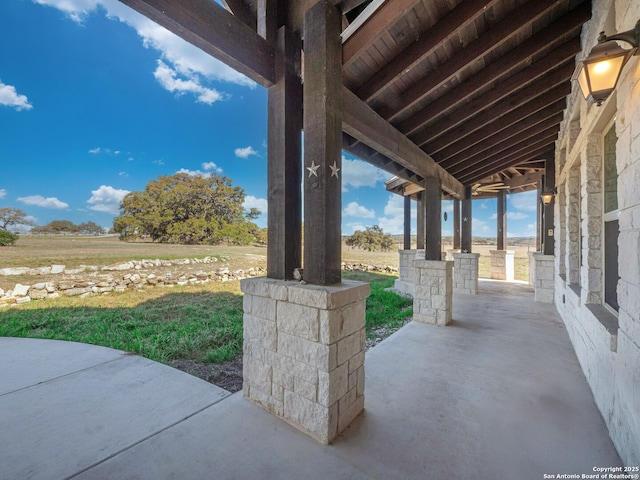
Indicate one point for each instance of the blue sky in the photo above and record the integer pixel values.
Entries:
(96, 101)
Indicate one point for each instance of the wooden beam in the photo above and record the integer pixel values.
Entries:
(531, 151)
(534, 97)
(433, 202)
(421, 220)
(522, 180)
(239, 9)
(419, 50)
(502, 140)
(369, 155)
(362, 122)
(505, 157)
(211, 28)
(268, 19)
(407, 223)
(494, 135)
(492, 39)
(322, 144)
(501, 219)
(386, 15)
(466, 234)
(503, 67)
(456, 224)
(284, 166)
(550, 184)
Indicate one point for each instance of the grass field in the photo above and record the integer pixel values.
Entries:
(199, 323)
(202, 323)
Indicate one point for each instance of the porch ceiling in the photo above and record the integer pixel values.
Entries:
(478, 86)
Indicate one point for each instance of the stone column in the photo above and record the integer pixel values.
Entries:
(432, 302)
(304, 349)
(502, 264)
(544, 282)
(591, 272)
(465, 273)
(406, 280)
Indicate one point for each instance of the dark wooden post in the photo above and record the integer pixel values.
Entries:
(322, 144)
(420, 234)
(407, 222)
(549, 184)
(456, 223)
(466, 221)
(539, 220)
(284, 170)
(433, 201)
(501, 220)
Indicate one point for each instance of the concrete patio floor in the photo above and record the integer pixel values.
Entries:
(497, 395)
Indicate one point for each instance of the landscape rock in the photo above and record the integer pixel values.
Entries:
(20, 290)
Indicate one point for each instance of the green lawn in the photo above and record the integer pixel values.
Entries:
(202, 323)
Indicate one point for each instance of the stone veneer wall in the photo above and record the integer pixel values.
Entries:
(502, 264)
(465, 273)
(304, 348)
(544, 279)
(432, 302)
(607, 344)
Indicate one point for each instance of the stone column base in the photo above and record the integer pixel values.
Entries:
(502, 264)
(432, 302)
(465, 273)
(406, 273)
(304, 349)
(544, 282)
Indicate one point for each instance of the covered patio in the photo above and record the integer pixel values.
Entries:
(458, 99)
(497, 395)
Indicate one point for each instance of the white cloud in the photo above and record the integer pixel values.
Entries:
(393, 221)
(252, 202)
(526, 201)
(157, 162)
(76, 10)
(355, 227)
(95, 151)
(481, 228)
(3, 193)
(356, 210)
(191, 66)
(211, 166)
(517, 215)
(106, 199)
(245, 152)
(357, 173)
(194, 173)
(123, 174)
(168, 78)
(11, 98)
(40, 201)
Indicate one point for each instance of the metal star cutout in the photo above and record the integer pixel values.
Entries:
(465, 219)
(313, 169)
(334, 170)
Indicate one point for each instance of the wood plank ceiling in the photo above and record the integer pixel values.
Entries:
(478, 85)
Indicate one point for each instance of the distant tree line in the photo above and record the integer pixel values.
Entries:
(66, 226)
(189, 209)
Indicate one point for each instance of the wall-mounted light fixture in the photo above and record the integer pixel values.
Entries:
(547, 196)
(598, 73)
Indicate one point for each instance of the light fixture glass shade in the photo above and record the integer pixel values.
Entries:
(547, 197)
(598, 74)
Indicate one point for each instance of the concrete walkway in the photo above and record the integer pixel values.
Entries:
(497, 395)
